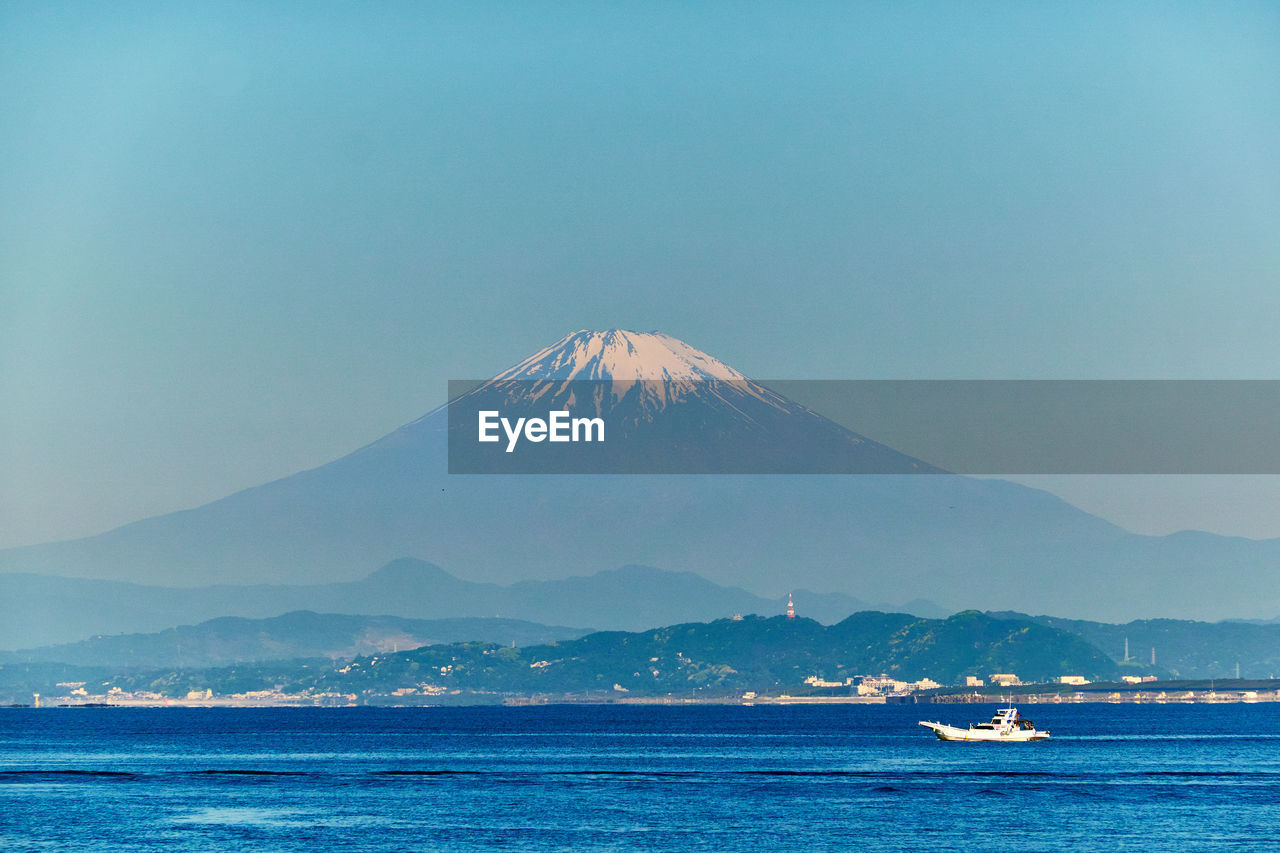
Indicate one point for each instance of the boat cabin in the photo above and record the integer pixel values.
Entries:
(1005, 717)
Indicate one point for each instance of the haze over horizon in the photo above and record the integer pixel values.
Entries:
(241, 242)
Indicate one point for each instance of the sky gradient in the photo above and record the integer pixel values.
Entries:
(239, 242)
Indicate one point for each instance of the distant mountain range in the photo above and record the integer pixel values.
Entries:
(754, 653)
(716, 658)
(958, 541)
(301, 634)
(1184, 649)
(46, 610)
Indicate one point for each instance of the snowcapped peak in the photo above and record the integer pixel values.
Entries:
(649, 368)
(619, 354)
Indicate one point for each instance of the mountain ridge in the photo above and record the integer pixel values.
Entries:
(725, 656)
(1184, 648)
(61, 610)
(719, 658)
(298, 634)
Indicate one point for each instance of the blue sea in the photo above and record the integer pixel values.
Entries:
(582, 778)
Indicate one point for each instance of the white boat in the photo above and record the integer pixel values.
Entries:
(1005, 726)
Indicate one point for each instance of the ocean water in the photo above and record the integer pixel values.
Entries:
(1114, 777)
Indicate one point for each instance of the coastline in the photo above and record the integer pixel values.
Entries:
(1171, 693)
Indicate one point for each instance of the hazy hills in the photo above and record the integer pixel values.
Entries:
(1184, 649)
(1198, 650)
(731, 655)
(43, 610)
(301, 634)
(711, 658)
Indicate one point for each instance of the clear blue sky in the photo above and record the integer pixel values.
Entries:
(236, 241)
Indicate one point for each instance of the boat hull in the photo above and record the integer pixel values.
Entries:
(945, 732)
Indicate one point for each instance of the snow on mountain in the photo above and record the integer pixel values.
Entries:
(667, 408)
(655, 369)
(619, 354)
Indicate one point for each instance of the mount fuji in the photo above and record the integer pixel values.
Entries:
(959, 541)
(667, 408)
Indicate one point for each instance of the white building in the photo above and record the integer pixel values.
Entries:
(871, 685)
